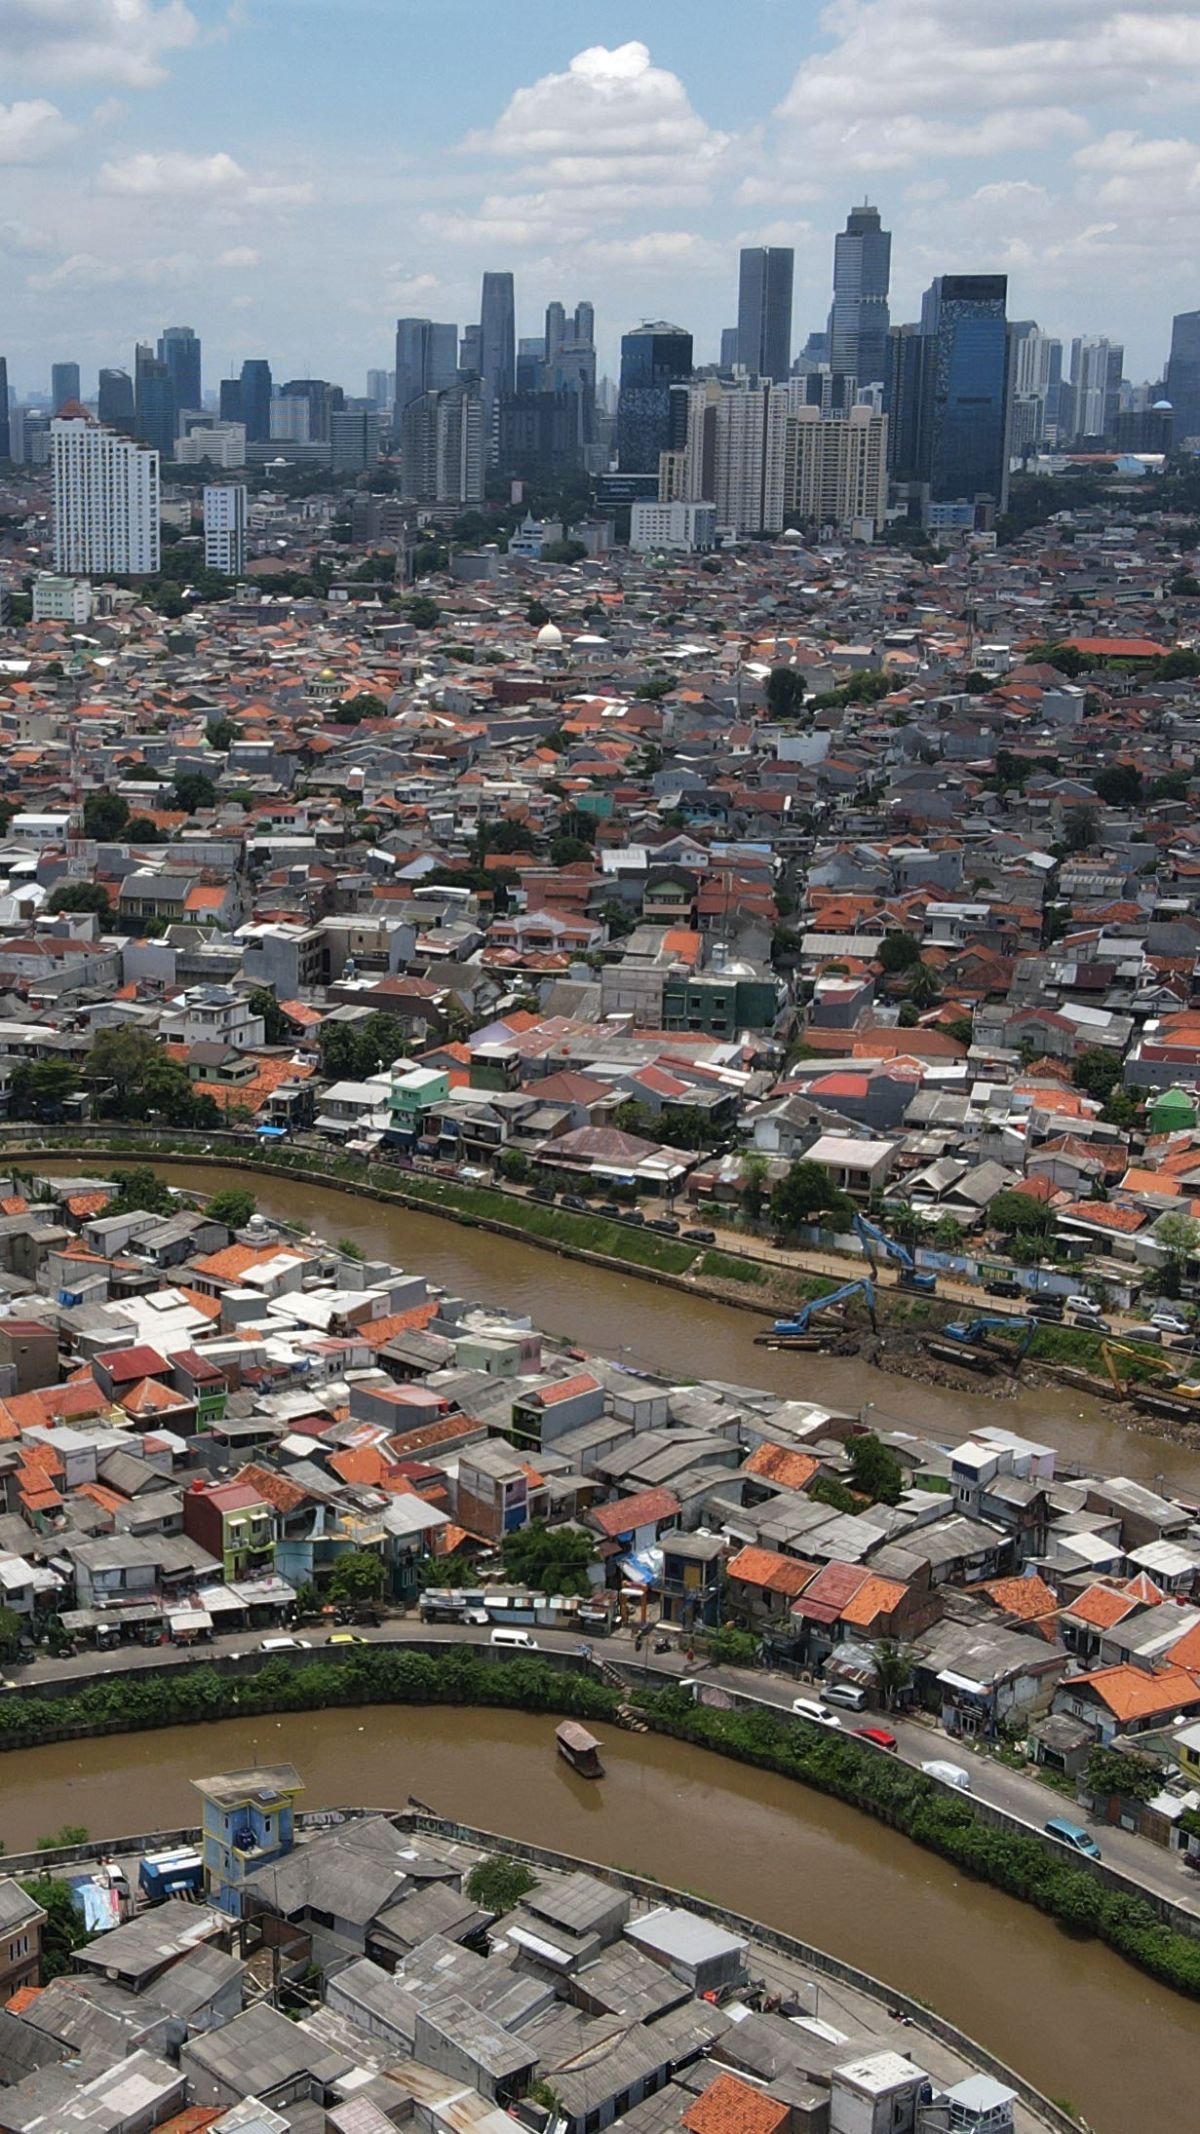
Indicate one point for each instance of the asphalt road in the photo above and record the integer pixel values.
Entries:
(920, 1740)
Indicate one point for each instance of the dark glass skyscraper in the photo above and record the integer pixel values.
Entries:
(1183, 375)
(116, 401)
(64, 385)
(179, 349)
(256, 399)
(965, 388)
(904, 403)
(154, 407)
(230, 399)
(426, 361)
(764, 328)
(498, 336)
(858, 322)
(653, 359)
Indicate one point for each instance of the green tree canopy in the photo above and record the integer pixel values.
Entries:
(80, 896)
(549, 1559)
(40, 1088)
(233, 1207)
(1019, 1213)
(138, 1189)
(194, 790)
(264, 1003)
(499, 1884)
(874, 1469)
(805, 1195)
(356, 1579)
(104, 816)
(898, 952)
(785, 692)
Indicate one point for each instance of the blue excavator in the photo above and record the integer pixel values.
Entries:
(798, 1328)
(909, 1277)
(963, 1340)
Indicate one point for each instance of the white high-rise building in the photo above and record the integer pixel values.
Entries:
(837, 468)
(225, 528)
(290, 417)
(106, 502)
(223, 444)
(750, 454)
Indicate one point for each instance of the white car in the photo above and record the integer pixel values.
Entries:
(1169, 1323)
(1084, 1307)
(950, 1774)
(809, 1708)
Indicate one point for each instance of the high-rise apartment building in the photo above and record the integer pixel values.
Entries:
(225, 528)
(836, 468)
(5, 424)
(751, 456)
(106, 498)
(426, 361)
(179, 349)
(729, 347)
(116, 401)
(654, 357)
(323, 401)
(764, 328)
(1183, 375)
(64, 385)
(965, 386)
(498, 336)
(379, 388)
(442, 446)
(255, 400)
(290, 418)
(154, 407)
(354, 437)
(1096, 365)
(470, 352)
(858, 322)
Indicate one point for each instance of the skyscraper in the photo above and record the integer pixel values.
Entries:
(1183, 375)
(116, 401)
(64, 385)
(470, 351)
(426, 361)
(964, 443)
(354, 437)
(1096, 365)
(154, 407)
(498, 337)
(230, 400)
(179, 349)
(256, 399)
(764, 328)
(654, 357)
(858, 322)
(105, 501)
(729, 347)
(379, 390)
(225, 528)
(556, 328)
(442, 446)
(5, 429)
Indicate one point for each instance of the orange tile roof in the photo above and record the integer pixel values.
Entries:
(233, 1261)
(876, 1596)
(1101, 1606)
(1027, 1598)
(769, 1571)
(779, 1463)
(731, 2106)
(1131, 1693)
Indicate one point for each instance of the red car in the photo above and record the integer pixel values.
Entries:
(879, 1735)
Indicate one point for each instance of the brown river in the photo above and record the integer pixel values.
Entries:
(1076, 2020)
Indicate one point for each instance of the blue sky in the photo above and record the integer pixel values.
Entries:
(288, 175)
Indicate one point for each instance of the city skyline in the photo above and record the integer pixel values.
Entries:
(146, 180)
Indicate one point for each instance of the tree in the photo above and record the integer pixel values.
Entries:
(353, 710)
(233, 1207)
(1097, 1072)
(80, 896)
(1179, 1235)
(121, 1056)
(753, 1185)
(1134, 1777)
(10, 1633)
(264, 1003)
(922, 988)
(222, 734)
(514, 1167)
(40, 1088)
(1119, 785)
(549, 1559)
(898, 952)
(498, 1884)
(104, 816)
(874, 1469)
(948, 1234)
(1020, 1213)
(64, 1930)
(785, 692)
(194, 790)
(565, 851)
(140, 1190)
(804, 1195)
(537, 614)
(356, 1580)
(893, 1670)
(1081, 830)
(422, 612)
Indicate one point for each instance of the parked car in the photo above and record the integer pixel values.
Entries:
(541, 1193)
(665, 1224)
(1083, 1307)
(345, 1637)
(1001, 1286)
(572, 1200)
(878, 1735)
(810, 1708)
(1169, 1323)
(1151, 1334)
(701, 1237)
(1046, 1307)
(1073, 1835)
(847, 1694)
(610, 1207)
(950, 1774)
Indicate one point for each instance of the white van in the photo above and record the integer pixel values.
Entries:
(520, 1639)
(950, 1774)
(285, 1644)
(847, 1694)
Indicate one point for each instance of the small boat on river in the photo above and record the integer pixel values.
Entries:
(581, 1749)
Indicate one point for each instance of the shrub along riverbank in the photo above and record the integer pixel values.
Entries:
(836, 1764)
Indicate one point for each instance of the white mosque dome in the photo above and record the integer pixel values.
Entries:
(549, 638)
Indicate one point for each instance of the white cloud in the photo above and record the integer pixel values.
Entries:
(121, 41)
(653, 251)
(239, 256)
(30, 131)
(175, 175)
(81, 272)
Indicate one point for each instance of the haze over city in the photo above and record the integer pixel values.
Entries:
(294, 178)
